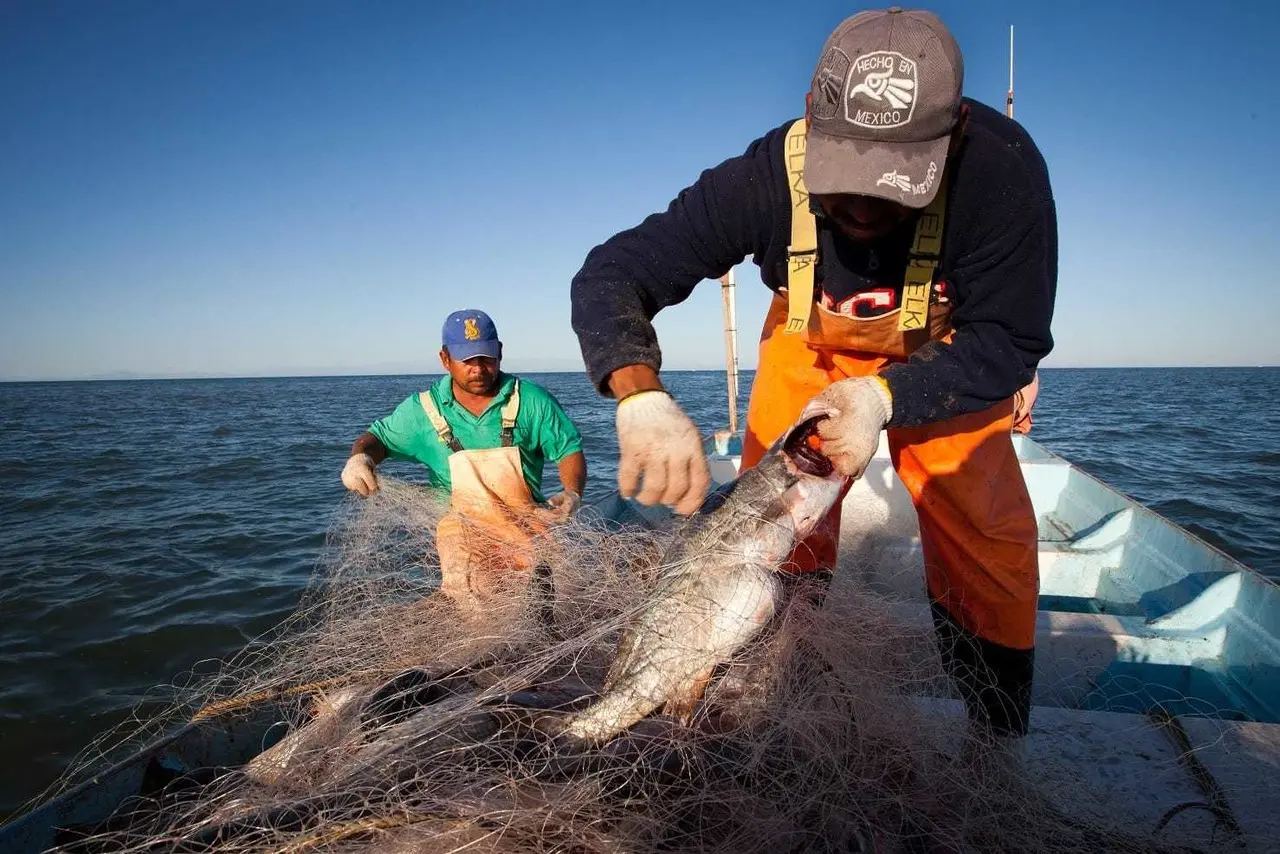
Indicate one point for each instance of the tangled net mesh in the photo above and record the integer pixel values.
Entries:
(399, 722)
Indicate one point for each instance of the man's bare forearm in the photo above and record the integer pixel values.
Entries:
(632, 379)
(573, 472)
(369, 444)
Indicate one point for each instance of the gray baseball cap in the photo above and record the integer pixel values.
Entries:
(886, 95)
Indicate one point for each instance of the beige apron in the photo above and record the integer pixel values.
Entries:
(486, 540)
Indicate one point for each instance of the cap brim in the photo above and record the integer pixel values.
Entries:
(473, 349)
(908, 173)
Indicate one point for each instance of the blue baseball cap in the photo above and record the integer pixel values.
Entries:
(470, 333)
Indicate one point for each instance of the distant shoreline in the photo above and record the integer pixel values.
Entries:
(128, 378)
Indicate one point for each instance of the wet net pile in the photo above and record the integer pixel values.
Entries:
(401, 723)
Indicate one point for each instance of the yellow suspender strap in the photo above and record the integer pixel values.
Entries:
(802, 252)
(509, 412)
(437, 421)
(926, 250)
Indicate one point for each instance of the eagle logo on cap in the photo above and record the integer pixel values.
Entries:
(883, 85)
(469, 329)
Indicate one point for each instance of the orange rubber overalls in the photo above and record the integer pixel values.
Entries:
(977, 527)
(486, 540)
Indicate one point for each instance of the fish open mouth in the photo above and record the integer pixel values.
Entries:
(801, 447)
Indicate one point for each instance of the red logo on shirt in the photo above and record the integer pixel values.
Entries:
(865, 304)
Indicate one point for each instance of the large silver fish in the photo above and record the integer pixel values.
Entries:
(720, 586)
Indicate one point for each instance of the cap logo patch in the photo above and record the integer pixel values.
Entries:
(829, 83)
(883, 90)
(469, 329)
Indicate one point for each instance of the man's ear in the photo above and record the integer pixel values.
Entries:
(444, 358)
(808, 107)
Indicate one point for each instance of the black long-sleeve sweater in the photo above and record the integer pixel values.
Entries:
(999, 263)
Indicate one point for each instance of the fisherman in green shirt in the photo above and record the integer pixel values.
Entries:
(484, 436)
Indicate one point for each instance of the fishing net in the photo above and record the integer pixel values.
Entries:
(399, 722)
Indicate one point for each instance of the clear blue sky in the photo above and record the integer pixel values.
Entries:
(298, 187)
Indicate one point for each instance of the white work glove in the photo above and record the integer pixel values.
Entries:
(565, 504)
(857, 409)
(358, 476)
(658, 442)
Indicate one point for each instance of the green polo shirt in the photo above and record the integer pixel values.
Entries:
(543, 430)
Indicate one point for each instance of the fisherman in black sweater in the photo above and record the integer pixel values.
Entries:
(910, 238)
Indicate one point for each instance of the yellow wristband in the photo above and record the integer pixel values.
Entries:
(633, 395)
(885, 385)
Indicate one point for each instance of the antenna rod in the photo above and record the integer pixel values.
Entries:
(730, 345)
(1008, 104)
